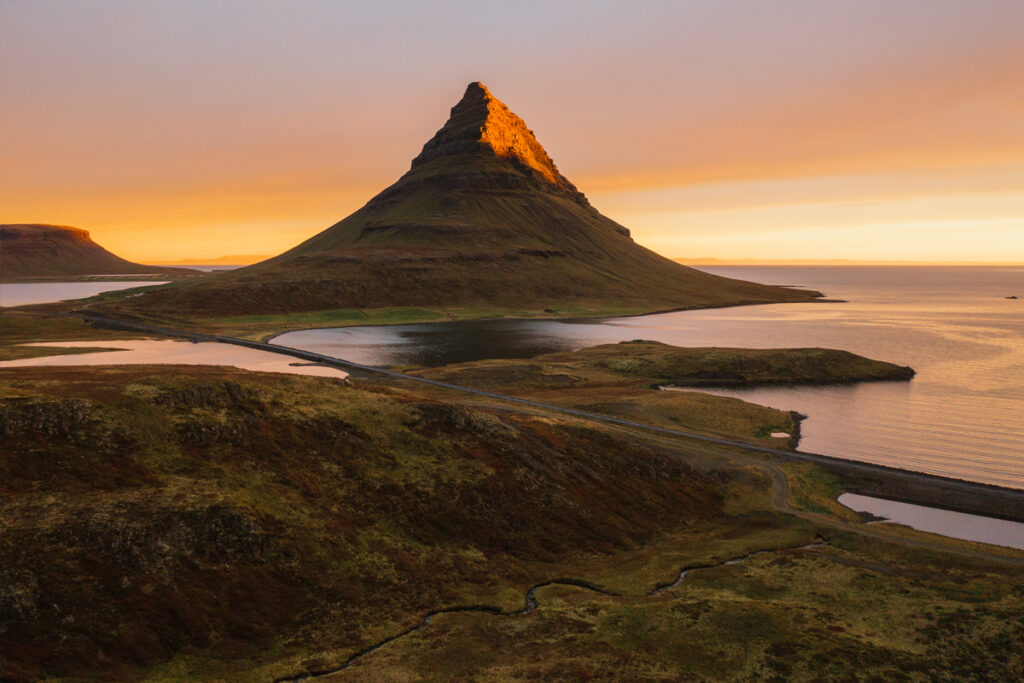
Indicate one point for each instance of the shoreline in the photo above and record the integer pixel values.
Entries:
(862, 477)
(590, 318)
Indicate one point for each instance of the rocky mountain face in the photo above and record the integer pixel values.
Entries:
(33, 250)
(484, 219)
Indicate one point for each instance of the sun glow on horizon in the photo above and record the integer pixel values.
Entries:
(722, 131)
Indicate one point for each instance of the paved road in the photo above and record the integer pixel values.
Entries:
(780, 497)
(780, 501)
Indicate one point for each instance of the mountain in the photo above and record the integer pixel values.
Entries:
(33, 251)
(483, 219)
(229, 260)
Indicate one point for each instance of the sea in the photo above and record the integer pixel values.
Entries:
(962, 416)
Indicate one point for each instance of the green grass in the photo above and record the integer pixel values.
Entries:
(341, 316)
(17, 327)
(834, 613)
(730, 366)
(130, 495)
(17, 352)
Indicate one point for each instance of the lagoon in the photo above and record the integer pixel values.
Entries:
(24, 293)
(945, 522)
(163, 352)
(962, 415)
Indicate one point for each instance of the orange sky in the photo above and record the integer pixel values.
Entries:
(173, 130)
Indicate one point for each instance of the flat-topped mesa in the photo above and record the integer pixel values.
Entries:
(32, 251)
(481, 124)
(13, 231)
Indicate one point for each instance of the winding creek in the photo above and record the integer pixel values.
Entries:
(531, 600)
(530, 603)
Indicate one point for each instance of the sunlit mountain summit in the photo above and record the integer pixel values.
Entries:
(483, 220)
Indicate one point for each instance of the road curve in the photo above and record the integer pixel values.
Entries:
(961, 486)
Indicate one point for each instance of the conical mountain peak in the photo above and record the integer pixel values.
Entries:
(483, 221)
(480, 122)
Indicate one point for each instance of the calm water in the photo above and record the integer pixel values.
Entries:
(162, 352)
(23, 293)
(945, 522)
(962, 416)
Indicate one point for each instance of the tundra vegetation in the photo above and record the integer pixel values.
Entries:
(211, 523)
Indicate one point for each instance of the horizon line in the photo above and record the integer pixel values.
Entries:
(713, 261)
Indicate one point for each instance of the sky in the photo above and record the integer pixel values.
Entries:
(735, 129)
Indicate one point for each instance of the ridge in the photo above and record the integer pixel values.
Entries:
(481, 123)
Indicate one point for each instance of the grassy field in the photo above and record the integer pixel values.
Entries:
(346, 512)
(652, 362)
(18, 328)
(846, 611)
(211, 523)
(616, 380)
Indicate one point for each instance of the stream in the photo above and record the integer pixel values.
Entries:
(530, 603)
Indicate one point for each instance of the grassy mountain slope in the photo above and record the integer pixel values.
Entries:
(226, 520)
(226, 525)
(482, 219)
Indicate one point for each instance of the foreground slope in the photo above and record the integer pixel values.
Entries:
(225, 525)
(482, 219)
(41, 251)
(242, 518)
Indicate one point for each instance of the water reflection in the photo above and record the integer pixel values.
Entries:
(24, 293)
(161, 352)
(944, 522)
(960, 417)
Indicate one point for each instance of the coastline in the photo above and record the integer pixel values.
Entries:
(858, 476)
(569, 319)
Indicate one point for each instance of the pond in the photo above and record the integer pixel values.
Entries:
(24, 293)
(960, 417)
(945, 522)
(162, 352)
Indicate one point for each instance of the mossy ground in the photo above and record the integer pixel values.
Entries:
(211, 523)
(237, 519)
(17, 328)
(847, 611)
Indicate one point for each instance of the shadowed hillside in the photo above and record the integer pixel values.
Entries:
(36, 251)
(482, 219)
(244, 518)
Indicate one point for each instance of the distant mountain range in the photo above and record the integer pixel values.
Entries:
(483, 219)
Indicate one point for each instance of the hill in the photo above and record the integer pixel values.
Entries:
(483, 219)
(217, 524)
(209, 513)
(39, 251)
